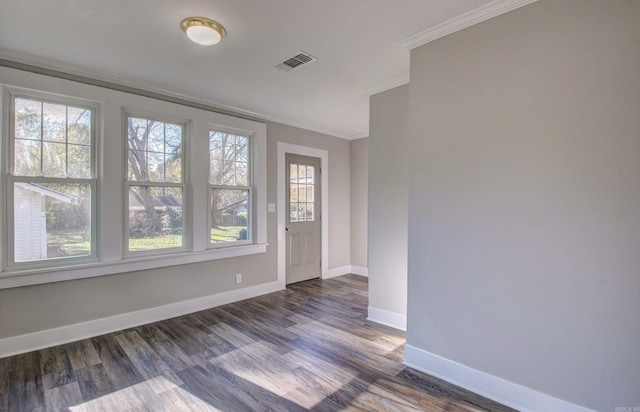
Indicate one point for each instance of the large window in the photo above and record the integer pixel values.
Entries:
(90, 192)
(51, 183)
(155, 185)
(229, 188)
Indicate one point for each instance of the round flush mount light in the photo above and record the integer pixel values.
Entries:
(203, 31)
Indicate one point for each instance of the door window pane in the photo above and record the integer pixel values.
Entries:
(301, 193)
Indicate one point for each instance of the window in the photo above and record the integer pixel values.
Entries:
(51, 184)
(63, 187)
(302, 193)
(229, 189)
(155, 185)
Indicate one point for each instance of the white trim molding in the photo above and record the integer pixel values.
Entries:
(500, 390)
(475, 16)
(335, 272)
(71, 333)
(359, 270)
(388, 318)
(283, 149)
(24, 61)
(397, 81)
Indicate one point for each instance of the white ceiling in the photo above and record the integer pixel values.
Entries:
(358, 44)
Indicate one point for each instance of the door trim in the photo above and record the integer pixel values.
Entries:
(282, 207)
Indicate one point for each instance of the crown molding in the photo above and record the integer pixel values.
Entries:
(50, 67)
(389, 84)
(475, 16)
(359, 135)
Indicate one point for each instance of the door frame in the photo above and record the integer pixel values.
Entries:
(323, 155)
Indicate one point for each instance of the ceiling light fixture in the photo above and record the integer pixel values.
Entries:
(203, 31)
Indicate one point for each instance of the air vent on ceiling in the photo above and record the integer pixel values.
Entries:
(297, 61)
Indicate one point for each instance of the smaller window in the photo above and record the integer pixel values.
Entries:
(230, 189)
(155, 185)
(302, 193)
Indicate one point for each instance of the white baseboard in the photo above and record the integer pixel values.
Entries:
(360, 270)
(500, 390)
(65, 334)
(335, 272)
(345, 270)
(388, 318)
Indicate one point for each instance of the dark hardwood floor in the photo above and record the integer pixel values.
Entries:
(309, 347)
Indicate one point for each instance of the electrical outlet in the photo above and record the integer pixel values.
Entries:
(238, 278)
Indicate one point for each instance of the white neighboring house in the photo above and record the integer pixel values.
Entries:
(30, 220)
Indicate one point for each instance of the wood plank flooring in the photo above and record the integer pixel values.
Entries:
(308, 348)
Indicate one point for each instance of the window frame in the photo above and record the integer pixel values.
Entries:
(126, 253)
(109, 164)
(9, 96)
(249, 187)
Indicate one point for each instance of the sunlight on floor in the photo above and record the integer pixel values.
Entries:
(158, 391)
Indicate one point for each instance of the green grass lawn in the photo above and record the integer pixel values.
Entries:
(67, 243)
(155, 242)
(226, 233)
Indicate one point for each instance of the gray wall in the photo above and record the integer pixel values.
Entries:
(359, 163)
(388, 197)
(524, 242)
(35, 308)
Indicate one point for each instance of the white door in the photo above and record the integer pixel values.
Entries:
(303, 227)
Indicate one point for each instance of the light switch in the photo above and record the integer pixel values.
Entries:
(271, 207)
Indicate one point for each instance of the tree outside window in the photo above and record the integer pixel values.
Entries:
(155, 183)
(230, 188)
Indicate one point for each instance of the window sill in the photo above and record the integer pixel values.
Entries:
(17, 278)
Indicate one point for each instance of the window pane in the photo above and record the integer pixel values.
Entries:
(79, 161)
(229, 173)
(172, 168)
(51, 221)
(302, 195)
(155, 151)
(293, 212)
(155, 218)
(229, 215)
(310, 173)
(28, 119)
(309, 216)
(310, 193)
(55, 122)
(27, 158)
(156, 137)
(229, 147)
(293, 173)
(79, 125)
(215, 171)
(302, 212)
(242, 152)
(54, 156)
(215, 145)
(242, 174)
(137, 134)
(173, 137)
(155, 167)
(137, 165)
